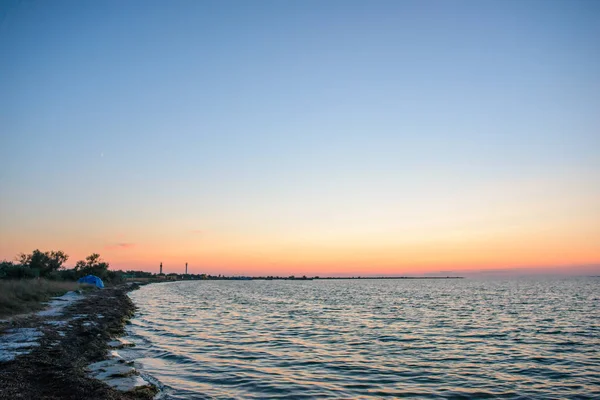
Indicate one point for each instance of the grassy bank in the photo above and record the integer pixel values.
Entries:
(21, 296)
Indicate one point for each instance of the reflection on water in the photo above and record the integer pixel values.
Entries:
(370, 338)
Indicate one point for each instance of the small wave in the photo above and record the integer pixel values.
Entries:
(368, 339)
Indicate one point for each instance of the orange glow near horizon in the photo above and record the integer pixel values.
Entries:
(231, 254)
(547, 229)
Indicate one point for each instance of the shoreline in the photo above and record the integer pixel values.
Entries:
(68, 342)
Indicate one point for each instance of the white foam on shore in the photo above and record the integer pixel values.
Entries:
(128, 383)
(17, 341)
(56, 322)
(120, 343)
(118, 373)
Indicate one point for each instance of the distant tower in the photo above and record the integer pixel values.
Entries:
(161, 268)
(186, 268)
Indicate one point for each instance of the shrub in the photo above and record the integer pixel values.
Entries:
(9, 270)
(114, 276)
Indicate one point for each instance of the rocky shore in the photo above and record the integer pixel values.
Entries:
(65, 351)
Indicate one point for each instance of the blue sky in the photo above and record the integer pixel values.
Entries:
(266, 119)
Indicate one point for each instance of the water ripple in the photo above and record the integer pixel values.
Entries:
(370, 338)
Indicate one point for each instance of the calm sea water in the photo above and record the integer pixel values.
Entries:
(529, 338)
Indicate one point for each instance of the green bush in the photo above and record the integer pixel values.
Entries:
(63, 275)
(114, 276)
(9, 270)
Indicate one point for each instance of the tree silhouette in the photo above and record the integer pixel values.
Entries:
(43, 262)
(92, 265)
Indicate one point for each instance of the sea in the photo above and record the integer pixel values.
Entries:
(523, 338)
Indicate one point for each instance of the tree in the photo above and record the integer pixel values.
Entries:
(43, 262)
(92, 265)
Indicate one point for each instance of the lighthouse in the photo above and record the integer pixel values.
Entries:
(161, 268)
(186, 268)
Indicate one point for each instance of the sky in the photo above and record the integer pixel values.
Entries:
(303, 137)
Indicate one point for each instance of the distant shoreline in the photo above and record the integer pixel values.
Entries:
(182, 277)
(385, 277)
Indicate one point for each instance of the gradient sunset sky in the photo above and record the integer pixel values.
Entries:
(303, 137)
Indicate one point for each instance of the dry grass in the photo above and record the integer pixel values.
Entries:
(21, 296)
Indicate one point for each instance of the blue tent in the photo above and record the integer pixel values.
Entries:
(92, 280)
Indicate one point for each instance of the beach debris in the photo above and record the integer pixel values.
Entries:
(17, 341)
